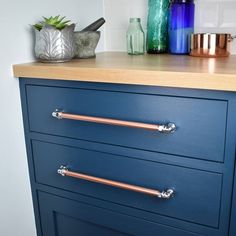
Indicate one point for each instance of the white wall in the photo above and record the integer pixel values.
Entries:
(16, 213)
(211, 16)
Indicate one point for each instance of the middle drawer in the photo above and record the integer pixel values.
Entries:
(197, 197)
(201, 123)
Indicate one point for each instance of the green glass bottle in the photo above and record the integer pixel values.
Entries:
(135, 37)
(157, 26)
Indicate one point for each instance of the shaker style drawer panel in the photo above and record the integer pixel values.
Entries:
(70, 218)
(200, 123)
(64, 217)
(197, 194)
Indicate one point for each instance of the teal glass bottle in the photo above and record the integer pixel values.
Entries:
(135, 37)
(157, 26)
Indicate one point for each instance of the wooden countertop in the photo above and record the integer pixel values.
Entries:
(154, 70)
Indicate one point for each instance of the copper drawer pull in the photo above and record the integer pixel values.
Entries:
(168, 128)
(164, 194)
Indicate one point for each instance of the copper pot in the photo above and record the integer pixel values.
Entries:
(210, 45)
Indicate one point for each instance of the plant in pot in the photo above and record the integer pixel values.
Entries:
(54, 39)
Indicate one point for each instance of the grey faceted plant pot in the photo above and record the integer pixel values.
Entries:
(54, 45)
(86, 43)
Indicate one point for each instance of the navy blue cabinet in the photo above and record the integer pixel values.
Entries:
(191, 116)
(65, 217)
(187, 182)
(196, 161)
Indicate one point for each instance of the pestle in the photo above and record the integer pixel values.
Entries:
(95, 25)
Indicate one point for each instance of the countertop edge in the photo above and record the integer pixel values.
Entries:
(209, 81)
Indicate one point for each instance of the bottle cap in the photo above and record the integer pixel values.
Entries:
(134, 20)
(181, 1)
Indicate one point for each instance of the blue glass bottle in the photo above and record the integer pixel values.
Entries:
(181, 26)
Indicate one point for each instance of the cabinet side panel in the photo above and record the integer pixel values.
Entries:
(233, 216)
(29, 154)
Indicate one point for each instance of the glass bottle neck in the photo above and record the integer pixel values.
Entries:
(135, 23)
(135, 26)
(132, 20)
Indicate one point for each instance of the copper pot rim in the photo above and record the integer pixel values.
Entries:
(229, 35)
(211, 34)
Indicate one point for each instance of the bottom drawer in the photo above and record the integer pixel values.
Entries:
(197, 194)
(63, 217)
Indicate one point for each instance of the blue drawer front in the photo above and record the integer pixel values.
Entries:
(198, 193)
(64, 217)
(200, 123)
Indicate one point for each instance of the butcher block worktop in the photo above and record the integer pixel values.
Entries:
(150, 70)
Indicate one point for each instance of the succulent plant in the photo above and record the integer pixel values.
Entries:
(57, 21)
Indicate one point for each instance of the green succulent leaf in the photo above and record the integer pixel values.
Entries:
(62, 18)
(56, 21)
(38, 26)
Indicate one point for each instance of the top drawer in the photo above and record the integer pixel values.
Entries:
(201, 123)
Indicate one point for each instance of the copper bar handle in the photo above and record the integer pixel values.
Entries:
(167, 128)
(64, 171)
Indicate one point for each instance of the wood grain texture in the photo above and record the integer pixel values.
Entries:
(153, 70)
